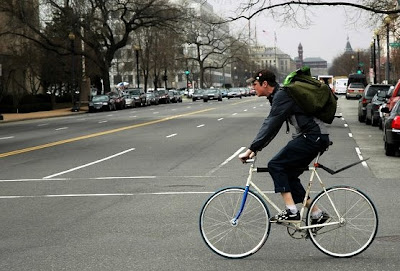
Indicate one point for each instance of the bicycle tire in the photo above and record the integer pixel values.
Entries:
(240, 240)
(358, 227)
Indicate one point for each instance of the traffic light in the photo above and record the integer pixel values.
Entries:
(187, 72)
(359, 71)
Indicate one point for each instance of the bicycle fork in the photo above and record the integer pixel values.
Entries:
(246, 191)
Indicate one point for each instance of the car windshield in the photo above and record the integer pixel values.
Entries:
(356, 85)
(372, 90)
(102, 98)
(135, 92)
(198, 91)
(212, 91)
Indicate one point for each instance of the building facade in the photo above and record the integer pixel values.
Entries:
(272, 58)
(318, 66)
(13, 72)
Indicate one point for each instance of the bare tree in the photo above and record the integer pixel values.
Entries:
(104, 26)
(348, 63)
(210, 45)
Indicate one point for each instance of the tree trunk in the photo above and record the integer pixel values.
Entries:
(106, 81)
(201, 66)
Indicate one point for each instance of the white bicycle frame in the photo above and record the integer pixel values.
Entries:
(297, 225)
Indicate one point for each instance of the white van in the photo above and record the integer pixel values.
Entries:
(340, 86)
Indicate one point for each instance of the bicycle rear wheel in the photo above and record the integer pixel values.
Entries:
(244, 238)
(357, 222)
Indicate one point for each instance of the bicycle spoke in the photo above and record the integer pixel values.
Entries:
(357, 222)
(244, 237)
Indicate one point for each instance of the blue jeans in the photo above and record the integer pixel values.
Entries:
(291, 161)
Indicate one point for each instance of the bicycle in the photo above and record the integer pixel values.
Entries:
(235, 221)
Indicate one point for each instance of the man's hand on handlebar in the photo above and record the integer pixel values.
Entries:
(246, 155)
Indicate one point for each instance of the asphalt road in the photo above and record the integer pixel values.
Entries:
(123, 190)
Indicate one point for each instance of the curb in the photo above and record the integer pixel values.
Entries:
(6, 118)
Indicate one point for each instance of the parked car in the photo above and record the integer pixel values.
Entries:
(383, 116)
(153, 98)
(197, 94)
(138, 95)
(212, 94)
(234, 93)
(395, 96)
(102, 103)
(164, 96)
(244, 92)
(372, 109)
(119, 99)
(391, 130)
(366, 98)
(224, 93)
(252, 92)
(354, 90)
(129, 100)
(174, 96)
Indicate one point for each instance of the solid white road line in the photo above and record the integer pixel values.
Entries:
(61, 128)
(89, 164)
(220, 119)
(171, 135)
(7, 137)
(124, 194)
(201, 125)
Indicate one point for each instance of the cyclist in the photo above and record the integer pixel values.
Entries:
(285, 167)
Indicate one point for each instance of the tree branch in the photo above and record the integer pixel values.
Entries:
(299, 3)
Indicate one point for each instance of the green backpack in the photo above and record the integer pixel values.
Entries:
(311, 95)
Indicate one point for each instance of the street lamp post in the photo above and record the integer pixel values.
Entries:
(378, 58)
(75, 105)
(374, 61)
(387, 73)
(137, 49)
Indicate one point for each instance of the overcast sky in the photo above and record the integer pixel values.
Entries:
(326, 37)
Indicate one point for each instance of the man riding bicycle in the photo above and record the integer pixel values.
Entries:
(310, 138)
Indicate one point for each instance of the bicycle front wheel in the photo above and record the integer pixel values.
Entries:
(234, 240)
(355, 227)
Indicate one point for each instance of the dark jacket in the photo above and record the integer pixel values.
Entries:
(284, 108)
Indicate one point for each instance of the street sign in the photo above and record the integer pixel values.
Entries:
(395, 44)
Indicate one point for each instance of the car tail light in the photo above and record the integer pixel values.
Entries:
(396, 122)
(364, 101)
(350, 90)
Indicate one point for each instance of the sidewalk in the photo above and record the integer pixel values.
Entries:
(41, 115)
